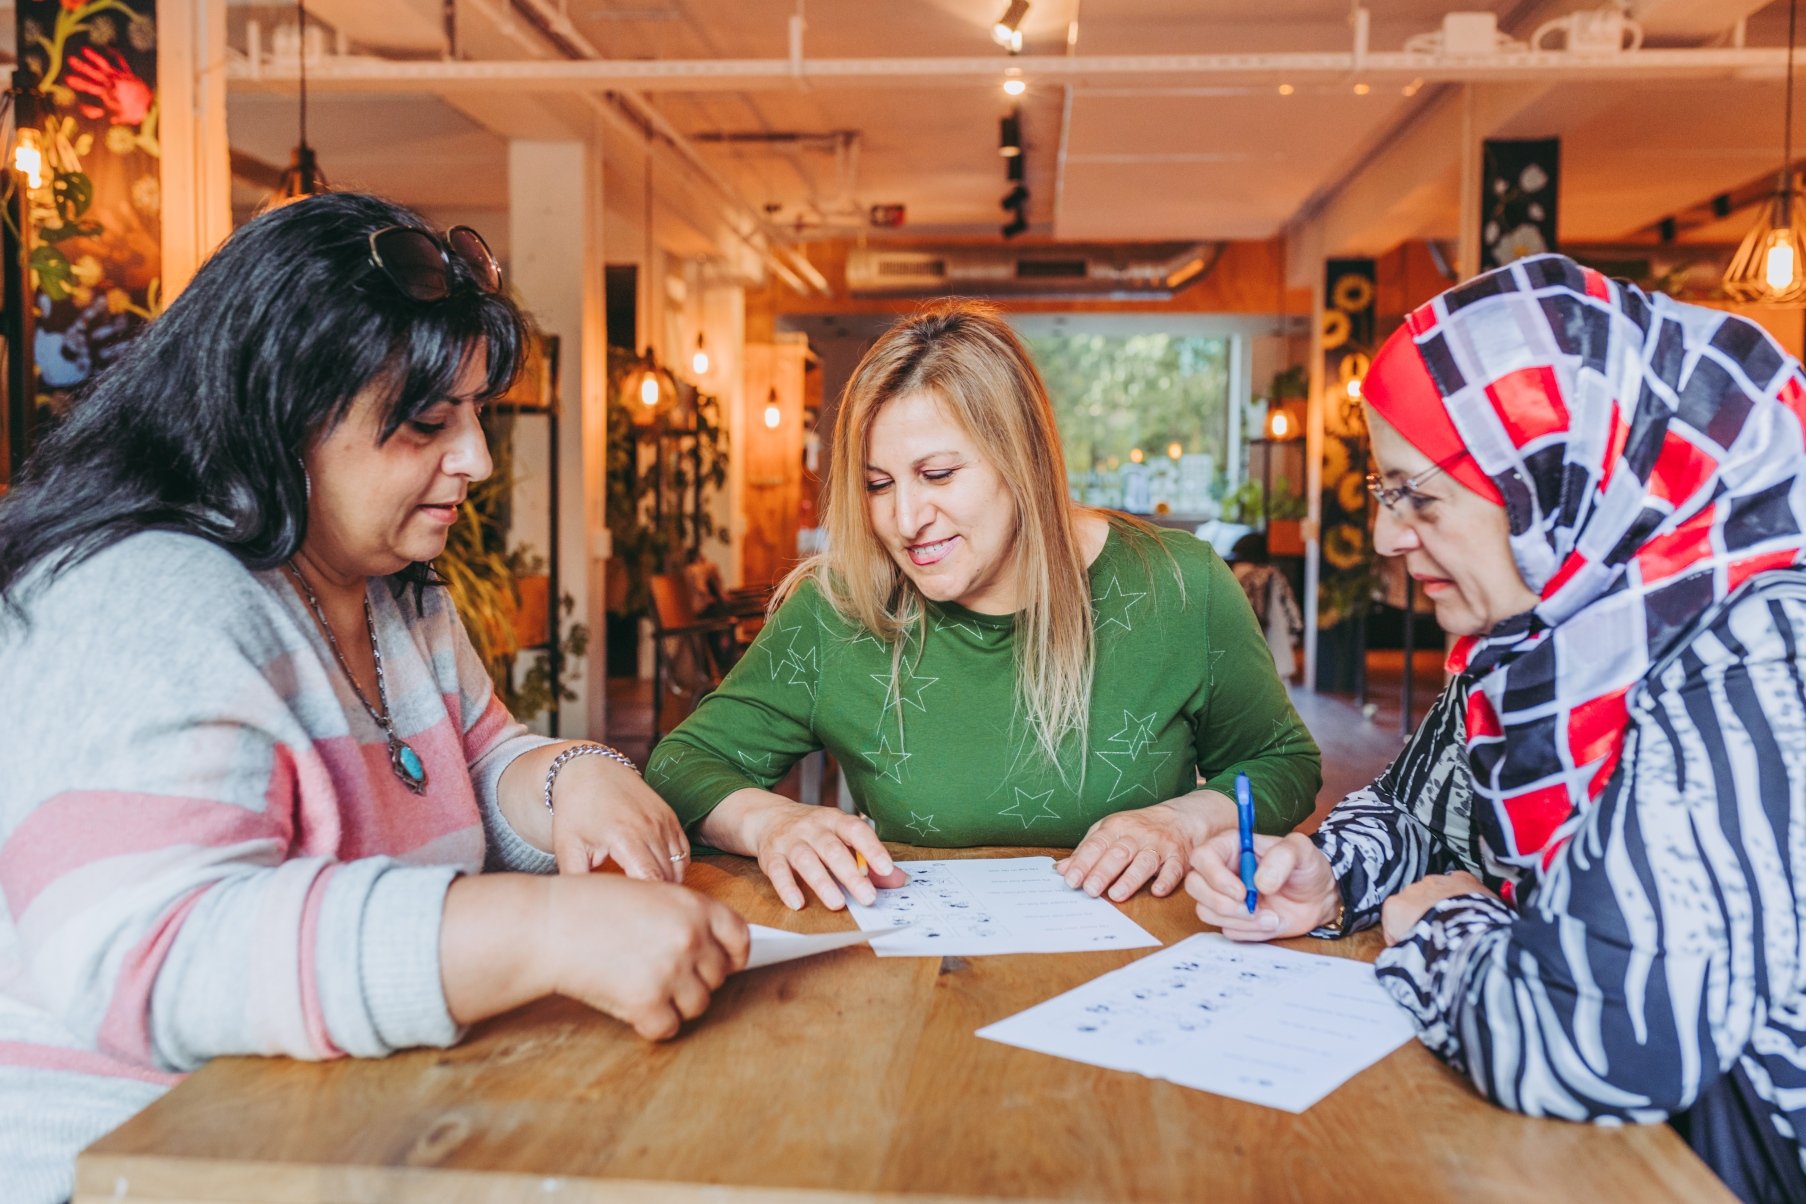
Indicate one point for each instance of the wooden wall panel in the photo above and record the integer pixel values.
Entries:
(773, 477)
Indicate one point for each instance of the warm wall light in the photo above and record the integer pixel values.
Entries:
(699, 363)
(1286, 89)
(773, 415)
(1362, 89)
(28, 156)
(1279, 424)
(1135, 455)
(1174, 450)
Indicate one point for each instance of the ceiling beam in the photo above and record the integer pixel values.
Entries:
(348, 72)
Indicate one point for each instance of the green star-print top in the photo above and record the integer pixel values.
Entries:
(1184, 686)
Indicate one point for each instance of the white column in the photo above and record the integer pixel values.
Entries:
(555, 268)
(195, 168)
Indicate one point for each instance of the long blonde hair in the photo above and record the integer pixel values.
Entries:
(967, 357)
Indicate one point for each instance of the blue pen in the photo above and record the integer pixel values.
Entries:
(1244, 816)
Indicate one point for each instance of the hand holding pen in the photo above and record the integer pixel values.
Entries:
(1288, 890)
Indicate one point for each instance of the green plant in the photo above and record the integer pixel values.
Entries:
(1244, 504)
(660, 476)
(1290, 384)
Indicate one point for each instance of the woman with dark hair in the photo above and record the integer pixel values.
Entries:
(1588, 859)
(255, 751)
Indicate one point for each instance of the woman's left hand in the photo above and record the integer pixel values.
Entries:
(602, 811)
(1123, 852)
(1401, 912)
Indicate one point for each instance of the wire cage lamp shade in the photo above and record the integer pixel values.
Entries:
(1769, 267)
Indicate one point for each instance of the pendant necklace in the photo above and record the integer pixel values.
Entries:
(402, 759)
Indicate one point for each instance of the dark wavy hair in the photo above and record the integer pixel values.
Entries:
(200, 425)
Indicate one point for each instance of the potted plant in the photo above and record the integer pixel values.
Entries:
(661, 474)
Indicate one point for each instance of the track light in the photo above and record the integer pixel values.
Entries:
(1015, 203)
(1008, 31)
(1009, 142)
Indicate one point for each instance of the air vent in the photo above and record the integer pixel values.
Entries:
(1147, 270)
(1051, 269)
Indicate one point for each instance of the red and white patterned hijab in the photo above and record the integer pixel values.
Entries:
(1649, 455)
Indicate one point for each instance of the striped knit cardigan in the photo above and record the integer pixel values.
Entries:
(1655, 969)
(203, 850)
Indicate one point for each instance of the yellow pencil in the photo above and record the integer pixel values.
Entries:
(859, 860)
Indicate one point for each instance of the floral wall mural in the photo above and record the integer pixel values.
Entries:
(1519, 183)
(94, 224)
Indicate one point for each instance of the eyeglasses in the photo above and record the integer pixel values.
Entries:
(419, 262)
(1406, 490)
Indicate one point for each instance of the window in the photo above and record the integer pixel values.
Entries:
(1144, 418)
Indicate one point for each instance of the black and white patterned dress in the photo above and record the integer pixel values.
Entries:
(1655, 969)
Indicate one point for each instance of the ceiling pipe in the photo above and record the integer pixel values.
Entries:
(626, 116)
(556, 28)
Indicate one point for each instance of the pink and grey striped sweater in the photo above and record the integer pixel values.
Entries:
(202, 848)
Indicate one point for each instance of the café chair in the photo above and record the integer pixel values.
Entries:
(687, 662)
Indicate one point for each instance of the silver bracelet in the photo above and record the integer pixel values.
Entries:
(581, 750)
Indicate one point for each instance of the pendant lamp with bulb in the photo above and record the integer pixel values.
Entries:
(699, 363)
(1769, 267)
(302, 177)
(649, 385)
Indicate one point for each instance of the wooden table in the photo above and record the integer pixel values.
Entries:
(844, 1076)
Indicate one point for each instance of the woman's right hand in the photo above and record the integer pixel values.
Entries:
(647, 953)
(796, 841)
(1296, 884)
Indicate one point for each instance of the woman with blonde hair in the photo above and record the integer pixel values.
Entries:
(989, 663)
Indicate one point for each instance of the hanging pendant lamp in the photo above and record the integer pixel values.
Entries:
(302, 177)
(1770, 265)
(649, 386)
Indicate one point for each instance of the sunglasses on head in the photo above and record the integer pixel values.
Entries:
(419, 262)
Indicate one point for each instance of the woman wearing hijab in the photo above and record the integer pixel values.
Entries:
(1585, 860)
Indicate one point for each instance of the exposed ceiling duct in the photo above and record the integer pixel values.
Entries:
(1138, 270)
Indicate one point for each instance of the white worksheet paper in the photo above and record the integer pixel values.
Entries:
(997, 905)
(1270, 1026)
(773, 945)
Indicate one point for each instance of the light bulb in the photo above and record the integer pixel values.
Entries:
(649, 389)
(1015, 87)
(28, 156)
(1279, 424)
(1135, 456)
(1354, 388)
(699, 363)
(1174, 450)
(1780, 266)
(773, 416)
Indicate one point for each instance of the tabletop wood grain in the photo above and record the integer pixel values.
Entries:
(844, 1077)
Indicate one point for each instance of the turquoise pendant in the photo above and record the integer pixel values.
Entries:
(408, 766)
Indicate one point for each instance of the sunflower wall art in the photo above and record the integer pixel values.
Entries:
(1345, 579)
(95, 221)
(1519, 181)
